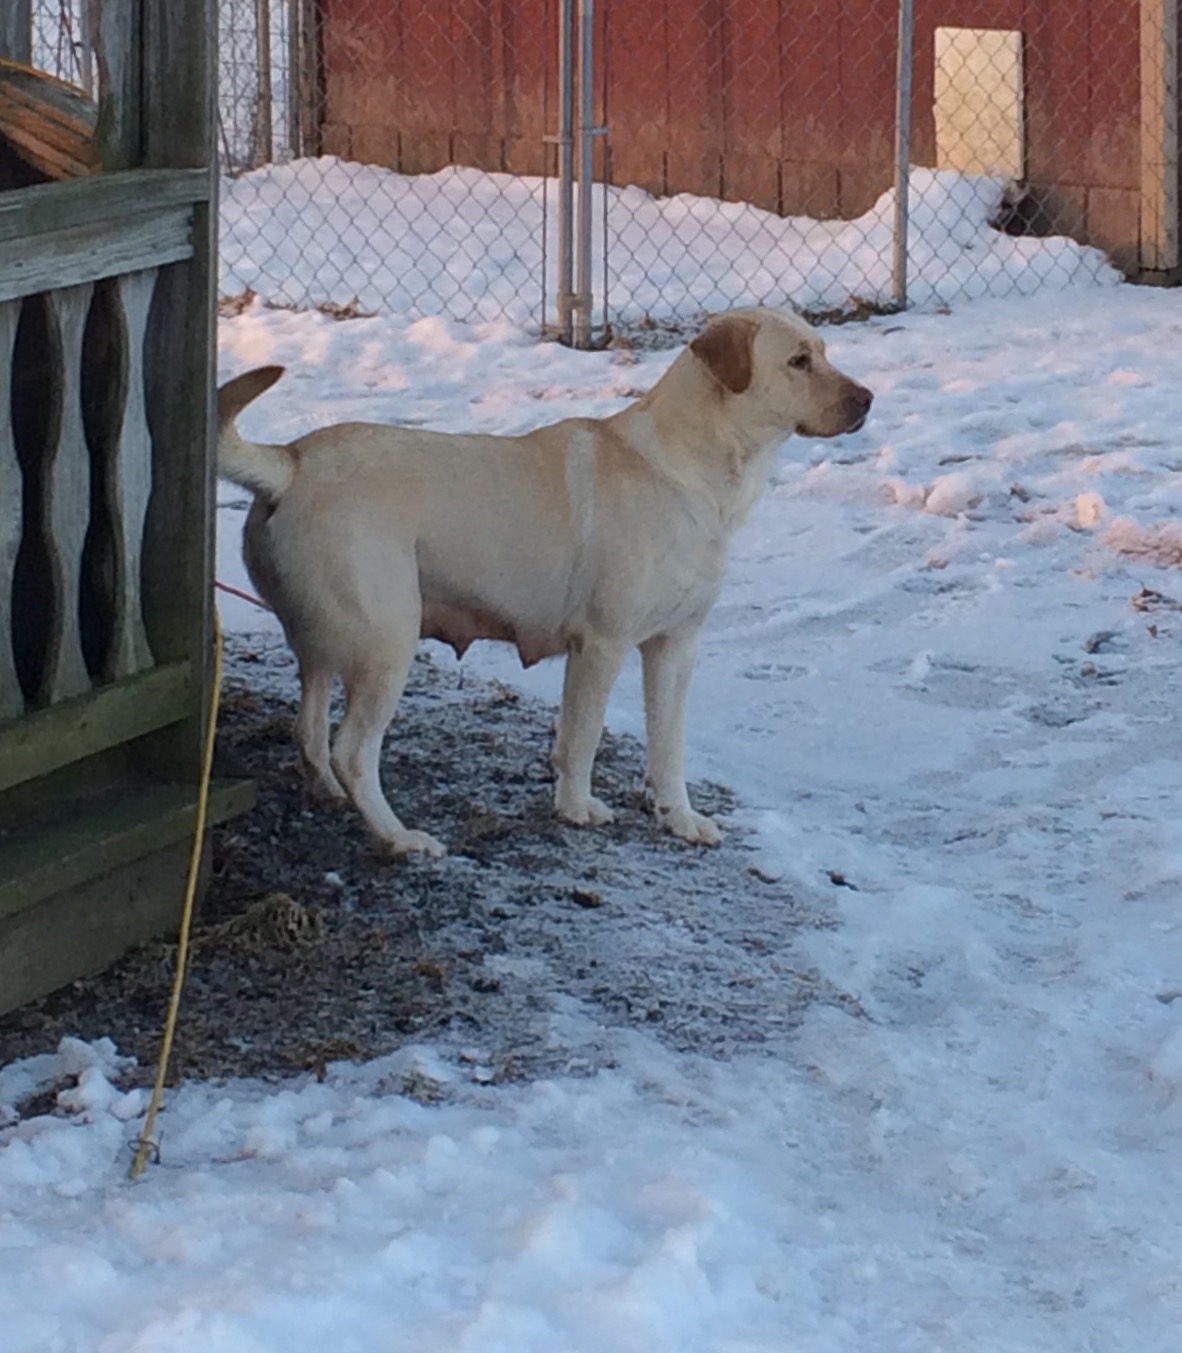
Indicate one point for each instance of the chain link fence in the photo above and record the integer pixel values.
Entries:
(61, 40)
(387, 157)
(406, 157)
(257, 115)
(772, 138)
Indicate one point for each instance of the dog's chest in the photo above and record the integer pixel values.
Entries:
(672, 583)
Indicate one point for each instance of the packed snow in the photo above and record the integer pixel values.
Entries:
(943, 679)
(480, 247)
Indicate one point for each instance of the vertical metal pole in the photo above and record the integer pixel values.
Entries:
(566, 168)
(586, 171)
(1161, 243)
(903, 148)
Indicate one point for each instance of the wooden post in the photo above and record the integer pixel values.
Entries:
(294, 71)
(311, 33)
(116, 27)
(16, 30)
(262, 148)
(179, 42)
(98, 787)
(1159, 139)
(12, 702)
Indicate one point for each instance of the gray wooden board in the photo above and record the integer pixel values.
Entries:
(11, 699)
(129, 482)
(67, 500)
(102, 835)
(81, 931)
(122, 50)
(49, 207)
(65, 733)
(74, 254)
(16, 30)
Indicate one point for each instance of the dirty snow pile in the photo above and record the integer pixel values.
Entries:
(944, 678)
(469, 244)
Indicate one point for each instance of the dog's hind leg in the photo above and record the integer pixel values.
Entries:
(373, 687)
(312, 730)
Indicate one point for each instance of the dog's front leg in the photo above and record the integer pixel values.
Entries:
(668, 667)
(591, 671)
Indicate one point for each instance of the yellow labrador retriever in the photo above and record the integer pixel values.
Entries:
(587, 538)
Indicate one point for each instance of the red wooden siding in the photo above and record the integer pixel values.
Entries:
(788, 104)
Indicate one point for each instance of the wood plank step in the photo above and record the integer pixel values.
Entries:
(102, 831)
(47, 739)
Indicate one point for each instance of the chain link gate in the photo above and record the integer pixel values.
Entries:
(838, 155)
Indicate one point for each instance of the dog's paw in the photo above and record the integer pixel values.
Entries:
(415, 843)
(695, 828)
(588, 812)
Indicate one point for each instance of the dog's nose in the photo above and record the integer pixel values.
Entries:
(857, 405)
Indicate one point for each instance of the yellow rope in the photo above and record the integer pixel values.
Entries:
(147, 1145)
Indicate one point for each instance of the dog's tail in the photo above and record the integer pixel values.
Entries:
(265, 470)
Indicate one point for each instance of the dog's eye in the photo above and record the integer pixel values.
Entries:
(801, 362)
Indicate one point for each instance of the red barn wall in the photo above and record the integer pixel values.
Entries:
(789, 104)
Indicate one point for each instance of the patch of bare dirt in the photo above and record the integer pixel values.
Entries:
(524, 953)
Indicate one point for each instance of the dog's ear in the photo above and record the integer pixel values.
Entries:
(725, 346)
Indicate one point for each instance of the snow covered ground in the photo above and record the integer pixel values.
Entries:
(946, 671)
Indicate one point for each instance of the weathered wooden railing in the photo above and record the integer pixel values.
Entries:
(105, 538)
(76, 463)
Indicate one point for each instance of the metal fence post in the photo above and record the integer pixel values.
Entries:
(566, 169)
(1161, 247)
(903, 149)
(586, 171)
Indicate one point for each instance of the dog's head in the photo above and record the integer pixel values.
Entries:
(770, 367)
